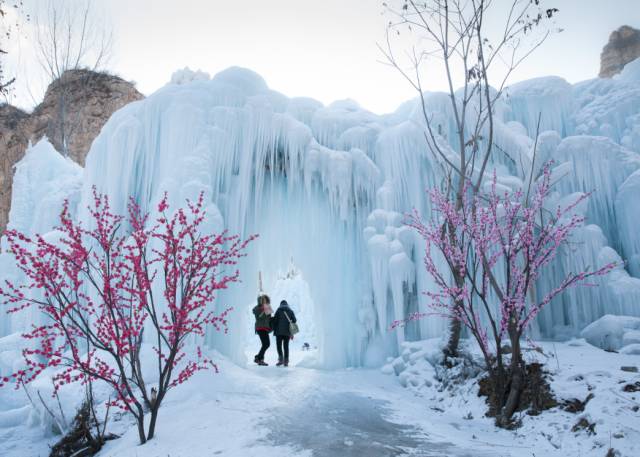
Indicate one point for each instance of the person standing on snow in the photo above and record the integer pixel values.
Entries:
(262, 312)
(281, 325)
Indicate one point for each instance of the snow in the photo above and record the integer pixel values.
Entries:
(403, 407)
(576, 369)
(611, 333)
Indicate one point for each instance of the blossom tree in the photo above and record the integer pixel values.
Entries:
(103, 288)
(501, 244)
(475, 46)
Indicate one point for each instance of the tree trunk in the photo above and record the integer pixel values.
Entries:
(451, 349)
(517, 375)
(455, 327)
(513, 400)
(141, 434)
(152, 421)
(499, 387)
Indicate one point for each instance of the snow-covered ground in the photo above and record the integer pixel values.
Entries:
(576, 369)
(299, 411)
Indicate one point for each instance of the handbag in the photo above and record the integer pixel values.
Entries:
(293, 327)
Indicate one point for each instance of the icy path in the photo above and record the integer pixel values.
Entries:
(297, 411)
(349, 424)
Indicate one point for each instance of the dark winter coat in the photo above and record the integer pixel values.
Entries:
(279, 323)
(263, 321)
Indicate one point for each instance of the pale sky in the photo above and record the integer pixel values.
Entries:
(325, 49)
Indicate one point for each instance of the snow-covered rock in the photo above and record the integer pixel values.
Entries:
(612, 332)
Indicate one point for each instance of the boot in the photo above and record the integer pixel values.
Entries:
(286, 362)
(280, 361)
(256, 359)
(262, 363)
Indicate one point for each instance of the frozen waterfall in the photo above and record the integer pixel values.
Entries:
(328, 186)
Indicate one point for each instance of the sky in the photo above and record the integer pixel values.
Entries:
(325, 49)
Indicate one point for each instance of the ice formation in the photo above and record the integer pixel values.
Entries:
(329, 186)
(42, 181)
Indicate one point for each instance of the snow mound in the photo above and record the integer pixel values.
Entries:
(415, 368)
(611, 332)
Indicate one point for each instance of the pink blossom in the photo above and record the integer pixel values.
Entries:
(99, 291)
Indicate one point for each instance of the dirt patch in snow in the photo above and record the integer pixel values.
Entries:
(536, 397)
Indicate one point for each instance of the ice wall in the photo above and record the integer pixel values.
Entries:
(42, 181)
(329, 186)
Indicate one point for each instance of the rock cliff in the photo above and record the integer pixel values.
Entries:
(72, 113)
(622, 48)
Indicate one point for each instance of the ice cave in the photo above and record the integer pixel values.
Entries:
(328, 187)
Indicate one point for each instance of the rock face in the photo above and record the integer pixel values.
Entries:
(622, 48)
(13, 142)
(74, 109)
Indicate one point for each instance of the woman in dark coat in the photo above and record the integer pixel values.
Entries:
(262, 312)
(281, 328)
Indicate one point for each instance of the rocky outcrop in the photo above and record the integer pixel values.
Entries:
(13, 140)
(72, 113)
(622, 48)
